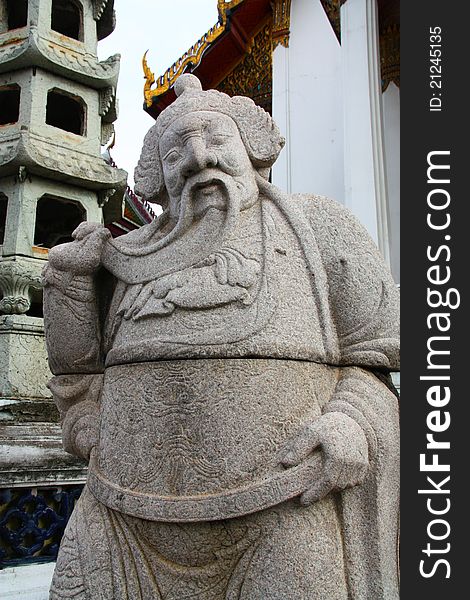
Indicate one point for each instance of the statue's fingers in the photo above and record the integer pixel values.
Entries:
(363, 472)
(104, 234)
(139, 303)
(351, 475)
(300, 447)
(93, 233)
(85, 229)
(221, 269)
(334, 473)
(96, 239)
(355, 477)
(318, 491)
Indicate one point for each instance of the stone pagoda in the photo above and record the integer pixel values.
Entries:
(57, 107)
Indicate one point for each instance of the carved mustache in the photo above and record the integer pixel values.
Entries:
(204, 179)
(209, 177)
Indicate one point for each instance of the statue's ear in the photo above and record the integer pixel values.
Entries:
(260, 134)
(148, 174)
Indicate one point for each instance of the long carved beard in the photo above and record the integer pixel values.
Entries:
(190, 241)
(224, 216)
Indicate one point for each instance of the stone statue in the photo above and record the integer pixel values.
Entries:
(225, 371)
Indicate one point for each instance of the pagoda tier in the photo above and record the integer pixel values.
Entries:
(57, 108)
(54, 52)
(31, 154)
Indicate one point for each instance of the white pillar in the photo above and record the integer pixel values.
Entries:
(391, 117)
(307, 105)
(364, 169)
(282, 172)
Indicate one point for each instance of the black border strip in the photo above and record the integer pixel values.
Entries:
(434, 209)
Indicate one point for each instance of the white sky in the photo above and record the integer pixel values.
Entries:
(167, 28)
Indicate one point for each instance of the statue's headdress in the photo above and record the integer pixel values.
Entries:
(259, 133)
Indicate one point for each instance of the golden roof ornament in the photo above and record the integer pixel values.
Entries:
(155, 87)
(281, 22)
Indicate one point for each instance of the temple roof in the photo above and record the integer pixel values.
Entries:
(214, 55)
(235, 55)
(134, 211)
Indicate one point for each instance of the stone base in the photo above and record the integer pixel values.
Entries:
(24, 370)
(33, 455)
(31, 582)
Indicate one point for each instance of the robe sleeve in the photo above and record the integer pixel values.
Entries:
(364, 307)
(363, 298)
(369, 512)
(75, 301)
(72, 324)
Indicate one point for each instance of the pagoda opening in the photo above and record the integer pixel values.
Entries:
(66, 18)
(35, 310)
(9, 104)
(65, 111)
(13, 14)
(3, 216)
(56, 219)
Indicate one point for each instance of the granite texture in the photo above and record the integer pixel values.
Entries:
(217, 368)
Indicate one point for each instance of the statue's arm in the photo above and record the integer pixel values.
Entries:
(364, 398)
(358, 434)
(71, 305)
(359, 424)
(363, 298)
(73, 334)
(77, 398)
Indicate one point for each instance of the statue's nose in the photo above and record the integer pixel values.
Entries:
(197, 156)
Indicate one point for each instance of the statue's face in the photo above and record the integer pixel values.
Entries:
(193, 150)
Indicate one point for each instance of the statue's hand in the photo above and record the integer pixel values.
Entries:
(80, 429)
(77, 397)
(345, 454)
(82, 256)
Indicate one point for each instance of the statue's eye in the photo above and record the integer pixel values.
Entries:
(172, 157)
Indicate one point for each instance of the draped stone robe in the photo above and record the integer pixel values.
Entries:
(199, 373)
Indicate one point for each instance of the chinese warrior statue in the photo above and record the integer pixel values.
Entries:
(225, 371)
